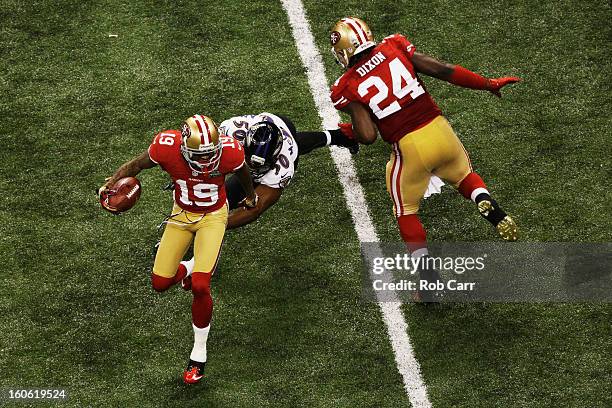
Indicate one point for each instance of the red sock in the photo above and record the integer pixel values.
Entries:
(470, 184)
(202, 305)
(412, 232)
(161, 284)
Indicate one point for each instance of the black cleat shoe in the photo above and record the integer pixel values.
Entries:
(506, 227)
(194, 372)
(432, 277)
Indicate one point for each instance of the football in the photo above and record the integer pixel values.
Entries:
(122, 196)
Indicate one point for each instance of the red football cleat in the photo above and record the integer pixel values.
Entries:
(194, 372)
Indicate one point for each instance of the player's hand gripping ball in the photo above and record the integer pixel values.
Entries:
(122, 196)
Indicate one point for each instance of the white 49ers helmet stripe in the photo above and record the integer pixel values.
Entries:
(356, 27)
(201, 126)
(206, 135)
(200, 144)
(349, 37)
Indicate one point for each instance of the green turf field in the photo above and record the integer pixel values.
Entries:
(290, 328)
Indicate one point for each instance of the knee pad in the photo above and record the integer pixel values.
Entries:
(160, 283)
(200, 283)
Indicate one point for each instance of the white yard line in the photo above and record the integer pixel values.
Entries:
(397, 328)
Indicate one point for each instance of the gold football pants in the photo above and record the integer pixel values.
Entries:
(205, 230)
(432, 149)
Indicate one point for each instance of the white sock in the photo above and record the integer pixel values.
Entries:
(200, 336)
(189, 265)
(419, 253)
(328, 137)
(478, 191)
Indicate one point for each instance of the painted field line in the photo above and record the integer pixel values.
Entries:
(397, 328)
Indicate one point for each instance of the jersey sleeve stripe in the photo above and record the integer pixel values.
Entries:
(341, 100)
(151, 157)
(239, 167)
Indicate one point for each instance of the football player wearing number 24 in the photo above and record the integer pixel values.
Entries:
(380, 90)
(197, 158)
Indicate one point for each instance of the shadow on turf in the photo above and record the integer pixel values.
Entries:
(188, 392)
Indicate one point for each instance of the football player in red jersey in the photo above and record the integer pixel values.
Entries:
(272, 147)
(381, 91)
(197, 159)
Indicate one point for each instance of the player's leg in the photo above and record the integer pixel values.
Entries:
(407, 180)
(172, 247)
(235, 194)
(451, 162)
(309, 141)
(207, 248)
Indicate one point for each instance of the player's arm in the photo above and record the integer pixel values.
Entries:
(457, 75)
(268, 196)
(244, 178)
(129, 169)
(364, 127)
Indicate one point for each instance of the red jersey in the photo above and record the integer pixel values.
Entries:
(386, 81)
(193, 191)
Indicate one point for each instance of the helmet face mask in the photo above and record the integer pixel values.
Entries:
(202, 160)
(263, 144)
(200, 144)
(349, 37)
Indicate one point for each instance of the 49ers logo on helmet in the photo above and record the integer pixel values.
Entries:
(334, 37)
(185, 130)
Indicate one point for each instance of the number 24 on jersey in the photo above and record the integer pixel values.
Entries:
(403, 84)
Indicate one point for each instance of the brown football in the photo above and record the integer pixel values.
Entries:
(124, 194)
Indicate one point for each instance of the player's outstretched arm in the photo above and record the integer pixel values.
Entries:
(268, 196)
(129, 169)
(244, 177)
(363, 125)
(457, 75)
